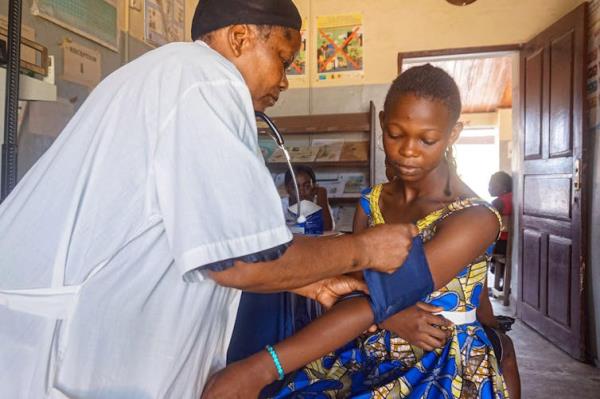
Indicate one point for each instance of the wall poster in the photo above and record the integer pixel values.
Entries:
(339, 46)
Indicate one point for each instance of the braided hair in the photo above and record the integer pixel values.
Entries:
(435, 84)
(428, 82)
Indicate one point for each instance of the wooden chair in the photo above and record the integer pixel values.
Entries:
(503, 267)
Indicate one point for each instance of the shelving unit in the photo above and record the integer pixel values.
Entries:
(340, 126)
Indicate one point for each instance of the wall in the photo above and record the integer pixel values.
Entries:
(505, 134)
(392, 26)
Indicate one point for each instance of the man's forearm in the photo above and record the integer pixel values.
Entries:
(306, 261)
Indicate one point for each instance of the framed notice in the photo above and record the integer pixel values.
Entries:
(96, 20)
(164, 21)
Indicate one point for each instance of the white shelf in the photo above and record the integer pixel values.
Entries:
(30, 89)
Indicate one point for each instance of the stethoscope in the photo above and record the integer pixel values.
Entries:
(278, 138)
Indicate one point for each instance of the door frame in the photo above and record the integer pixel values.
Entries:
(458, 51)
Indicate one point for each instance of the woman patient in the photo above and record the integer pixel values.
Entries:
(420, 124)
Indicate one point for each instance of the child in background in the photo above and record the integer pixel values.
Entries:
(310, 191)
(420, 124)
(500, 186)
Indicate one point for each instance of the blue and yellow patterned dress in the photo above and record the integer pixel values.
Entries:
(383, 365)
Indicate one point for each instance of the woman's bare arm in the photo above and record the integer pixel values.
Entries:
(332, 330)
(458, 241)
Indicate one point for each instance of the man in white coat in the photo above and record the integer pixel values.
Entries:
(124, 248)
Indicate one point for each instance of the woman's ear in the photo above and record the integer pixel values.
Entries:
(455, 132)
(238, 37)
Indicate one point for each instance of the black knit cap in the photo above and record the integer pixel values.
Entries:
(211, 15)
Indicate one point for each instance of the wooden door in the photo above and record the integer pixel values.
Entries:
(552, 217)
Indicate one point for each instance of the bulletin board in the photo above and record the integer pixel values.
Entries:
(96, 20)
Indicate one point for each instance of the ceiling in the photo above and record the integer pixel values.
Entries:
(485, 83)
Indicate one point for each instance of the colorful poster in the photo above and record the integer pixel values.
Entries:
(298, 67)
(164, 21)
(339, 46)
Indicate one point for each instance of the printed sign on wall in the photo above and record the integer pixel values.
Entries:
(164, 21)
(81, 64)
(339, 46)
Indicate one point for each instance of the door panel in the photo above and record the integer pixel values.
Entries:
(561, 81)
(532, 240)
(551, 208)
(559, 279)
(547, 196)
(533, 101)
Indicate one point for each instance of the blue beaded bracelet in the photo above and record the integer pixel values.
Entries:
(275, 358)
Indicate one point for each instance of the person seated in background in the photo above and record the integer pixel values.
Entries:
(309, 191)
(500, 186)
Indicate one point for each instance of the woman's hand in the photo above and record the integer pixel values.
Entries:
(328, 291)
(419, 326)
(241, 380)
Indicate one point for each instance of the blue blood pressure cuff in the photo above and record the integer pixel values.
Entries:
(391, 293)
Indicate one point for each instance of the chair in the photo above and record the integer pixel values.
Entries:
(503, 267)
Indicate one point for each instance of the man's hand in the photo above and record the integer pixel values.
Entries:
(328, 291)
(419, 326)
(385, 247)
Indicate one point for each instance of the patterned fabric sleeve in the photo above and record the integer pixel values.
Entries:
(365, 202)
(461, 204)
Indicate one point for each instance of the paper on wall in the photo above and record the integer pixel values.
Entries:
(81, 64)
(164, 21)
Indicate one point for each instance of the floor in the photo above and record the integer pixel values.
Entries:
(546, 371)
